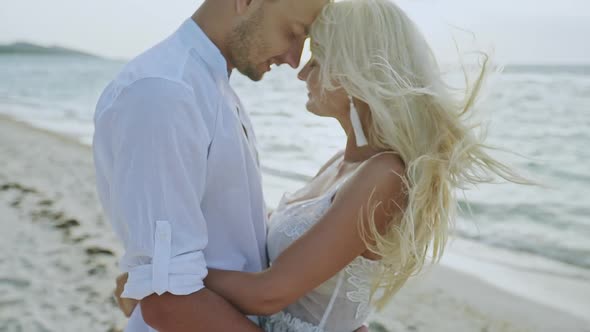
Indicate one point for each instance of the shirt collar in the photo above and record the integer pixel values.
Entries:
(193, 36)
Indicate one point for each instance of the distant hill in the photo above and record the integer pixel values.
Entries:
(32, 49)
(579, 69)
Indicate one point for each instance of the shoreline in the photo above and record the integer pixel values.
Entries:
(51, 176)
(59, 261)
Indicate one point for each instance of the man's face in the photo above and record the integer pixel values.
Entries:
(271, 32)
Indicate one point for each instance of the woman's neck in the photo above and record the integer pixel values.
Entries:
(354, 153)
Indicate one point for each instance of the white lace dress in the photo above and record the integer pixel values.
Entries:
(341, 304)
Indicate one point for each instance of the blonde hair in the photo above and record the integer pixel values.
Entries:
(377, 54)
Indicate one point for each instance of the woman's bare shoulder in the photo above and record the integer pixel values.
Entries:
(381, 178)
(330, 162)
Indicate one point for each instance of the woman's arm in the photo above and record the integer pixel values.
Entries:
(324, 250)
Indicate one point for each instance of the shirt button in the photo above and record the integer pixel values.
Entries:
(162, 235)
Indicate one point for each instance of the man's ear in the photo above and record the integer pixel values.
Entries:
(242, 6)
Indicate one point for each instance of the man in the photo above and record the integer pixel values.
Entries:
(176, 163)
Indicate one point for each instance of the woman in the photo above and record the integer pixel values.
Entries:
(347, 241)
(350, 238)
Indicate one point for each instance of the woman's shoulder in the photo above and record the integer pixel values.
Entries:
(380, 186)
(386, 165)
(330, 162)
(381, 177)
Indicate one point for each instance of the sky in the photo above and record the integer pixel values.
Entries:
(519, 31)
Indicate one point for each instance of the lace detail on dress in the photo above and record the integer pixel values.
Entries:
(300, 216)
(361, 272)
(285, 322)
(347, 294)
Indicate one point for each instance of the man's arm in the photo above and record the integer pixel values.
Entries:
(200, 311)
(158, 141)
(169, 312)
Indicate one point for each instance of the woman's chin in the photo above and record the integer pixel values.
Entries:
(311, 108)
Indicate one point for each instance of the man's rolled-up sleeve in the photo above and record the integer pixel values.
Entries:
(159, 149)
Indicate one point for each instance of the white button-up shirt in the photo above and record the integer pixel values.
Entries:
(177, 170)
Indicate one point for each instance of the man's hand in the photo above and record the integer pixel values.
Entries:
(126, 305)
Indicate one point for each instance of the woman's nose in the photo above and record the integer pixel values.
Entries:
(303, 73)
(300, 75)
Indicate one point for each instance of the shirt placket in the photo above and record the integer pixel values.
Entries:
(247, 135)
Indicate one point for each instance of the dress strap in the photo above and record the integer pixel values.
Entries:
(381, 153)
(332, 300)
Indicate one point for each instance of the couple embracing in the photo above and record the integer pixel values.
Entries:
(179, 179)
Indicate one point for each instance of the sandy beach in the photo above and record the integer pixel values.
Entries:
(59, 259)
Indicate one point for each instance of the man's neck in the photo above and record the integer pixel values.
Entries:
(208, 17)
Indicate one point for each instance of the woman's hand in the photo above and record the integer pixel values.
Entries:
(126, 305)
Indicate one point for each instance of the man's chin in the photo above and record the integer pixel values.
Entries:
(253, 74)
(256, 78)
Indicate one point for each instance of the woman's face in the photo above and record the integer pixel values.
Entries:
(334, 103)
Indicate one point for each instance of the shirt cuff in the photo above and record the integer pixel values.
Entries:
(184, 276)
(179, 275)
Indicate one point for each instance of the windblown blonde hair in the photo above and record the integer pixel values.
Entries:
(377, 54)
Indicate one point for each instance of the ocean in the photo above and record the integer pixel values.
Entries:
(541, 113)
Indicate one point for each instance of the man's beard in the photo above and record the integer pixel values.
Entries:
(245, 38)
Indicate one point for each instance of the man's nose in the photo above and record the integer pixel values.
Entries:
(293, 55)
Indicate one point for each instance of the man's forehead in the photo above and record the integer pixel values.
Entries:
(304, 11)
